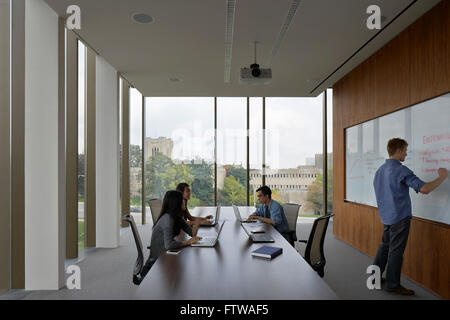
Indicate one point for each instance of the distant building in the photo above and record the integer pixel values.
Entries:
(293, 184)
(161, 144)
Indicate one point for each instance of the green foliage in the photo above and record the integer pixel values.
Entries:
(154, 168)
(175, 174)
(202, 186)
(193, 202)
(163, 175)
(81, 163)
(238, 172)
(232, 193)
(136, 202)
(315, 192)
(80, 235)
(80, 175)
(80, 184)
(135, 156)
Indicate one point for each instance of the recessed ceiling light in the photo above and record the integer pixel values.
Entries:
(174, 80)
(143, 18)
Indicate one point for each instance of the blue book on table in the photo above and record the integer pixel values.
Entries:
(267, 252)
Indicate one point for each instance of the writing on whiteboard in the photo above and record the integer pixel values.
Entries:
(436, 138)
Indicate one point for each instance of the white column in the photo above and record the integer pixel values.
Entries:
(44, 267)
(107, 156)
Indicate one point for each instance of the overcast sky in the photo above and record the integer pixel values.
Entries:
(293, 128)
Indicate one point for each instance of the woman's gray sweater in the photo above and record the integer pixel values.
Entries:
(163, 236)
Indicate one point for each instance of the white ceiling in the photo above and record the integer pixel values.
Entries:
(186, 41)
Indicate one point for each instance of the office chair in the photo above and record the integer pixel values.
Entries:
(137, 239)
(291, 213)
(155, 208)
(314, 254)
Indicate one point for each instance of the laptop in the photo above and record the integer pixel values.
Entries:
(214, 220)
(258, 238)
(239, 218)
(208, 241)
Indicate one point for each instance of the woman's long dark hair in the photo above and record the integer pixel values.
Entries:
(181, 187)
(171, 205)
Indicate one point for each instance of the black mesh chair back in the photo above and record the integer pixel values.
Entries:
(314, 253)
(291, 213)
(155, 208)
(140, 258)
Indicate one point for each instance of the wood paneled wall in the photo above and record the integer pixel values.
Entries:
(413, 67)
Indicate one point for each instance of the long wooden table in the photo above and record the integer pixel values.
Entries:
(229, 272)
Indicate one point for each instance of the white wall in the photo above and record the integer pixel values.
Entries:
(43, 267)
(107, 156)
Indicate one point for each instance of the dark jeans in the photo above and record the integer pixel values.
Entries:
(391, 251)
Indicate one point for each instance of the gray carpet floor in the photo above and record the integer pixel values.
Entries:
(106, 273)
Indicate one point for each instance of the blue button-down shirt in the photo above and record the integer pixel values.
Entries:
(391, 183)
(276, 213)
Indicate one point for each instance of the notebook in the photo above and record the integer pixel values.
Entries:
(267, 252)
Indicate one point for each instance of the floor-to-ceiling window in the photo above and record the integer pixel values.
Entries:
(293, 155)
(330, 148)
(136, 155)
(255, 146)
(81, 142)
(179, 143)
(232, 151)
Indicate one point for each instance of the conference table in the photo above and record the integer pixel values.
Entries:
(228, 271)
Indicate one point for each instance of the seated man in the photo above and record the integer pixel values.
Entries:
(270, 212)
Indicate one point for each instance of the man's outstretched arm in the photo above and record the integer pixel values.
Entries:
(430, 186)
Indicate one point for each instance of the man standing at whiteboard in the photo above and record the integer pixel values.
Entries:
(392, 182)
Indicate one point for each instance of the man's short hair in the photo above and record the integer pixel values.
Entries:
(396, 144)
(265, 191)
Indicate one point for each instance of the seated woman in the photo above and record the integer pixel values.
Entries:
(184, 188)
(169, 225)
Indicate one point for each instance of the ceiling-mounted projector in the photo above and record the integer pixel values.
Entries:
(255, 74)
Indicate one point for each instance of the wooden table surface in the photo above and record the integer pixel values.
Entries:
(228, 271)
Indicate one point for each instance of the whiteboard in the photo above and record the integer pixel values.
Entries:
(426, 128)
